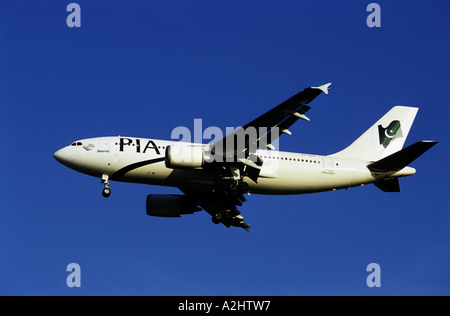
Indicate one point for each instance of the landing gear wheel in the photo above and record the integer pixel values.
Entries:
(233, 187)
(243, 187)
(217, 218)
(106, 192)
(228, 215)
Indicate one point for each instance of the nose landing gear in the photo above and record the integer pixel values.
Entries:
(106, 191)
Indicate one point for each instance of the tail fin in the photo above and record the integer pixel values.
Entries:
(384, 138)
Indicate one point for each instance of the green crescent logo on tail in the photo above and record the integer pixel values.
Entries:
(390, 133)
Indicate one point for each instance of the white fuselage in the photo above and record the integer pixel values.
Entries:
(139, 160)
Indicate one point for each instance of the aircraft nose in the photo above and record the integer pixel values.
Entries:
(61, 156)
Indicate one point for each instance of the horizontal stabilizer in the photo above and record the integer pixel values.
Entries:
(402, 158)
(390, 185)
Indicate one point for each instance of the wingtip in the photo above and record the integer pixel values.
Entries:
(324, 88)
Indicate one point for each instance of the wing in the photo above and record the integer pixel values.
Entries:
(287, 113)
(266, 128)
(238, 149)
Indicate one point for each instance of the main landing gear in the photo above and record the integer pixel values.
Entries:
(226, 211)
(233, 195)
(106, 191)
(239, 187)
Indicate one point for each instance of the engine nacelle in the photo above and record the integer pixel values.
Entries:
(165, 205)
(184, 156)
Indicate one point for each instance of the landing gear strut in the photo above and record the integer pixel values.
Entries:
(106, 191)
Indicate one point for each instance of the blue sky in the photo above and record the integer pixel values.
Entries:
(142, 68)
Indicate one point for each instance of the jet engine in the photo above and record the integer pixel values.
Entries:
(184, 156)
(165, 205)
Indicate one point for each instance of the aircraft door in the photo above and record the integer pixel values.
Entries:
(328, 165)
(103, 144)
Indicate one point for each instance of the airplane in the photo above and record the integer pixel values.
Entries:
(216, 177)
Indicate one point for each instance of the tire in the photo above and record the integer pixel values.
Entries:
(216, 219)
(233, 187)
(243, 188)
(106, 192)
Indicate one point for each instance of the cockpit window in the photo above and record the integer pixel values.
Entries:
(77, 144)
